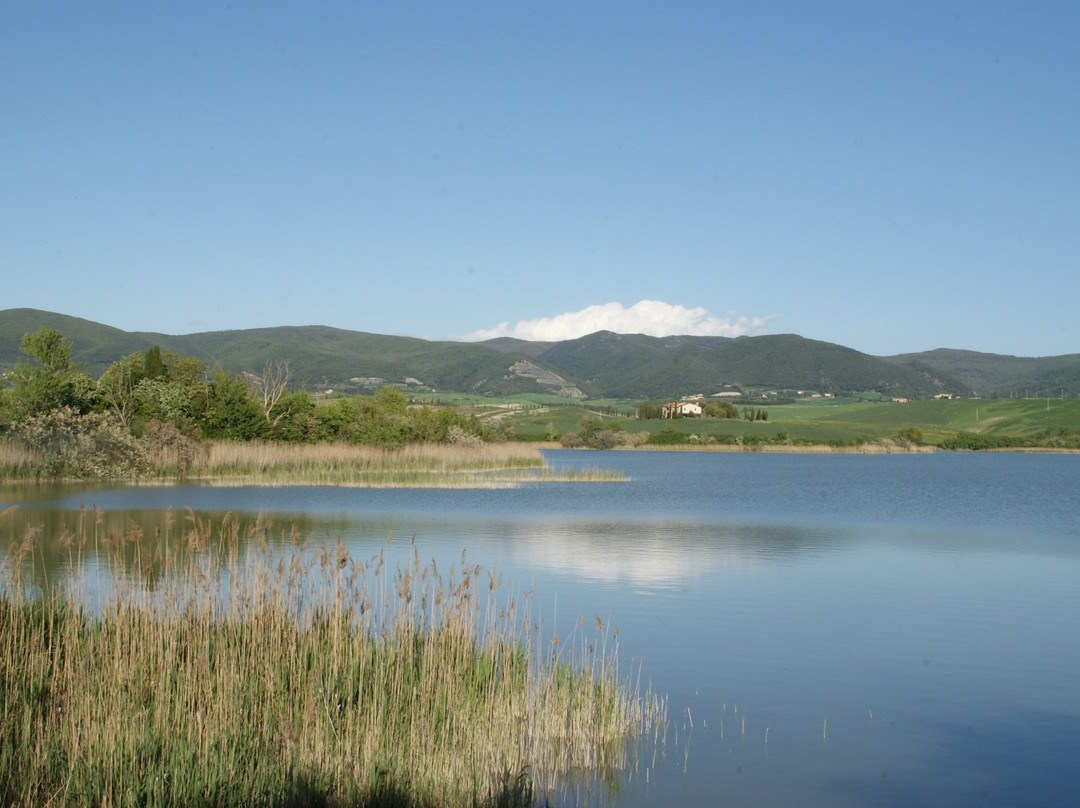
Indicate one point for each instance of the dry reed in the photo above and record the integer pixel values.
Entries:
(414, 466)
(350, 464)
(191, 672)
(18, 460)
(425, 465)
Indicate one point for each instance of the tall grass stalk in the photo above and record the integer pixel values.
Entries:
(341, 464)
(427, 465)
(18, 461)
(285, 675)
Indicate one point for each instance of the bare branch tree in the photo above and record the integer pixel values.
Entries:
(271, 386)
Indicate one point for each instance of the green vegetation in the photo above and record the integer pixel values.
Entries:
(629, 366)
(1027, 423)
(634, 365)
(191, 673)
(268, 463)
(844, 423)
(596, 433)
(156, 414)
(997, 375)
(350, 362)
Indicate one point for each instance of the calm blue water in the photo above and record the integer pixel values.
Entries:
(830, 630)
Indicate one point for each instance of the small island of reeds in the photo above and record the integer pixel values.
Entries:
(258, 462)
(222, 672)
(425, 465)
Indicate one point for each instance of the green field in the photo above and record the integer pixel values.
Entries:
(1006, 417)
(822, 421)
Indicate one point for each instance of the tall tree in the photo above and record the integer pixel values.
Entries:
(49, 347)
(391, 400)
(47, 380)
(117, 386)
(232, 413)
(152, 364)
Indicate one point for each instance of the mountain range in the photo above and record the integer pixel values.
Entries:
(598, 365)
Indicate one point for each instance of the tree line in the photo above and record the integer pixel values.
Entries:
(47, 401)
(711, 409)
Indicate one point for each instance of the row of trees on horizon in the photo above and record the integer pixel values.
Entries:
(159, 396)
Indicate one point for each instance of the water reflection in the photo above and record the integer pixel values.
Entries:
(50, 546)
(641, 553)
(655, 553)
(936, 593)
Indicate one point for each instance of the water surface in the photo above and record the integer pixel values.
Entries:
(830, 630)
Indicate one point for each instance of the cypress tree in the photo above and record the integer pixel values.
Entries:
(152, 364)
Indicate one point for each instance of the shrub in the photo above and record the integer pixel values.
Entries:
(167, 447)
(974, 441)
(572, 440)
(456, 436)
(912, 435)
(605, 439)
(74, 445)
(754, 439)
(1061, 437)
(668, 437)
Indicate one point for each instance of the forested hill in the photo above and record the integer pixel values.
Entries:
(319, 357)
(638, 366)
(603, 364)
(989, 374)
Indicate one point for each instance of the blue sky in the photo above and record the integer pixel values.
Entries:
(888, 176)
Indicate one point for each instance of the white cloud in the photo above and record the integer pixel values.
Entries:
(652, 317)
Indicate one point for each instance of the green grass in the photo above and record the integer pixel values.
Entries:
(565, 417)
(1011, 417)
(196, 674)
(829, 421)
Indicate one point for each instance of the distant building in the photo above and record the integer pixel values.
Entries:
(686, 409)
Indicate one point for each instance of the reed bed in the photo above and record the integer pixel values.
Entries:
(201, 673)
(427, 465)
(18, 461)
(419, 465)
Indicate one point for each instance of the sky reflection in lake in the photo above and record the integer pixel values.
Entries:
(831, 630)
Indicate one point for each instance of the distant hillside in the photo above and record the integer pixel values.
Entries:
(603, 364)
(94, 346)
(511, 345)
(319, 357)
(634, 366)
(1001, 375)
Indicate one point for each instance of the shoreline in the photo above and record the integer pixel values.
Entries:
(817, 448)
(766, 448)
(513, 477)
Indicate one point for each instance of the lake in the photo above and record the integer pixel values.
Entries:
(835, 630)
